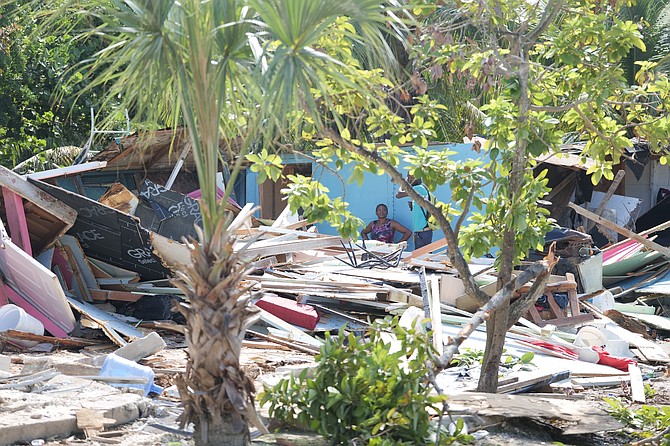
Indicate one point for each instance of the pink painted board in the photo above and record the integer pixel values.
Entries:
(613, 251)
(49, 325)
(37, 289)
(16, 219)
(624, 253)
(3, 296)
(60, 261)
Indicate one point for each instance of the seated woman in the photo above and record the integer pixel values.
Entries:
(384, 228)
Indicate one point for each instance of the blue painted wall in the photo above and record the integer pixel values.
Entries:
(376, 189)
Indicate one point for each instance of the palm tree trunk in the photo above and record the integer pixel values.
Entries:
(216, 393)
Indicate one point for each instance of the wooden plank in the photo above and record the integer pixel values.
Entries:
(426, 249)
(63, 342)
(23, 188)
(436, 312)
(16, 219)
(286, 247)
(623, 231)
(273, 230)
(294, 332)
(644, 233)
(69, 170)
(103, 295)
(603, 381)
(46, 217)
(113, 270)
(120, 198)
(317, 283)
(79, 266)
(283, 343)
(538, 379)
(636, 384)
(436, 266)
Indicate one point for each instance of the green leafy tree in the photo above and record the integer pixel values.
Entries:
(373, 393)
(549, 68)
(37, 113)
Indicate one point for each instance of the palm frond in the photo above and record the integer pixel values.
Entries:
(48, 159)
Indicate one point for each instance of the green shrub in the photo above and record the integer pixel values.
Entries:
(366, 392)
(646, 422)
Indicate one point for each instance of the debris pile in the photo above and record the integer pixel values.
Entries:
(94, 275)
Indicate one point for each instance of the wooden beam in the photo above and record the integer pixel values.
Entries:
(43, 200)
(621, 230)
(16, 219)
(290, 246)
(562, 185)
(64, 342)
(103, 295)
(426, 249)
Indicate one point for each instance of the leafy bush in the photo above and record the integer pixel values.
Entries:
(373, 392)
(647, 421)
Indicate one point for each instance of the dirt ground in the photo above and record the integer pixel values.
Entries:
(159, 426)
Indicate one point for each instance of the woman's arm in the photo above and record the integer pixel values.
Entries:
(406, 233)
(366, 231)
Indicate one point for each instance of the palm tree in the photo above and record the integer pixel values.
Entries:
(654, 19)
(224, 70)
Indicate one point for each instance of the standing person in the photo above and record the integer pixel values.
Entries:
(384, 229)
(423, 235)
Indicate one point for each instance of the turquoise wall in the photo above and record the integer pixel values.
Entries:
(375, 189)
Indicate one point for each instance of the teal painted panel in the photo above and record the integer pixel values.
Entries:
(376, 189)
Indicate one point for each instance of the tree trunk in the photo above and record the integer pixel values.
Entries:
(221, 433)
(496, 329)
(218, 397)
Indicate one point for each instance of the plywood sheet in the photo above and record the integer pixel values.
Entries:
(46, 217)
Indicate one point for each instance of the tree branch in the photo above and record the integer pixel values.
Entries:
(466, 209)
(550, 12)
(455, 256)
(538, 270)
(559, 108)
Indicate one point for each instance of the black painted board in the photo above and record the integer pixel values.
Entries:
(184, 211)
(109, 235)
(147, 216)
(658, 214)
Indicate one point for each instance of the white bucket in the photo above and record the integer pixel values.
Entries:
(16, 318)
(589, 336)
